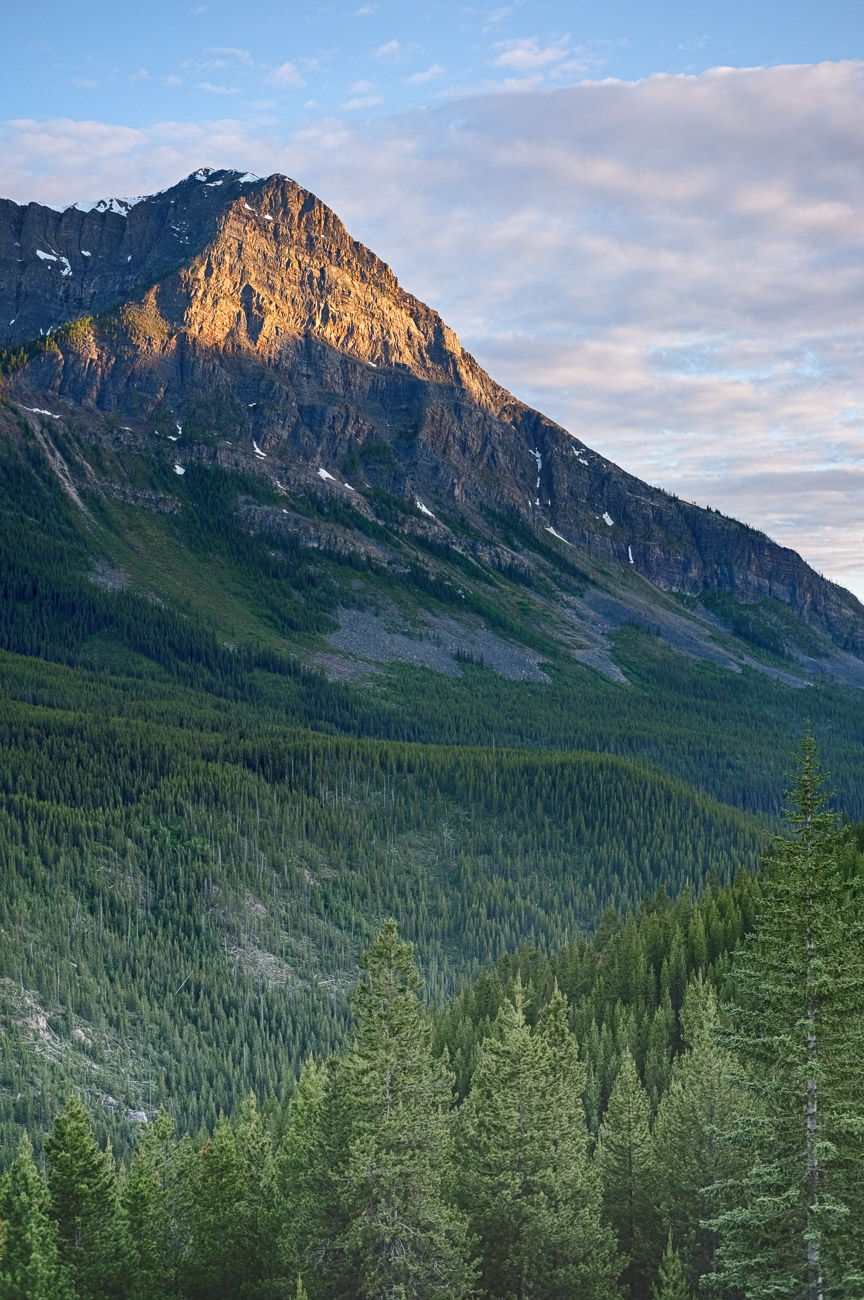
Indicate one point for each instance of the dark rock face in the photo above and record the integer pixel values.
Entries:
(58, 266)
(251, 319)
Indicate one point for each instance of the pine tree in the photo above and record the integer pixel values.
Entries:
(30, 1263)
(624, 1157)
(797, 1029)
(692, 1164)
(403, 1236)
(85, 1203)
(671, 1283)
(531, 1194)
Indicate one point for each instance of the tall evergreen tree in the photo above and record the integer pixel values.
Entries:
(404, 1236)
(216, 1263)
(531, 1194)
(797, 1028)
(85, 1203)
(624, 1157)
(145, 1195)
(309, 1220)
(692, 1163)
(30, 1263)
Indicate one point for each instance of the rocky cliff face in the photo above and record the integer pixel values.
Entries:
(250, 326)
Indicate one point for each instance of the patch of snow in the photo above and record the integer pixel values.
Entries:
(172, 437)
(84, 253)
(37, 410)
(323, 474)
(373, 364)
(12, 322)
(551, 530)
(129, 258)
(349, 487)
(537, 501)
(46, 257)
(251, 404)
(246, 206)
(607, 518)
(210, 184)
(267, 216)
(202, 174)
(284, 511)
(120, 206)
(178, 469)
(67, 269)
(630, 554)
(247, 178)
(258, 451)
(424, 510)
(539, 459)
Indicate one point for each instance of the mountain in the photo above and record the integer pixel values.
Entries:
(241, 313)
(305, 621)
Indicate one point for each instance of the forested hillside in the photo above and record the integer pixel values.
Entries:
(201, 830)
(590, 1122)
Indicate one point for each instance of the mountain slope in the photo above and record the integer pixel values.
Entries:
(281, 344)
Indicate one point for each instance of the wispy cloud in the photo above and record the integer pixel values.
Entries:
(287, 74)
(390, 50)
(363, 101)
(527, 53)
(218, 90)
(429, 74)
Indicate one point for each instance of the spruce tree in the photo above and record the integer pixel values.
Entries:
(797, 1029)
(308, 1220)
(403, 1236)
(692, 1163)
(624, 1157)
(146, 1199)
(528, 1187)
(85, 1204)
(671, 1283)
(30, 1263)
(216, 1262)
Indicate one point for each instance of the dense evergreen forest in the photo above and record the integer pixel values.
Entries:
(670, 1109)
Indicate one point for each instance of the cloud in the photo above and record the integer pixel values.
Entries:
(672, 269)
(85, 83)
(286, 75)
(527, 53)
(390, 50)
(218, 90)
(363, 101)
(420, 78)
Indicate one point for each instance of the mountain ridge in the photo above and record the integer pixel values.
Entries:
(277, 328)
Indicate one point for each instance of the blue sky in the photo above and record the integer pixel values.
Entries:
(647, 220)
(277, 62)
